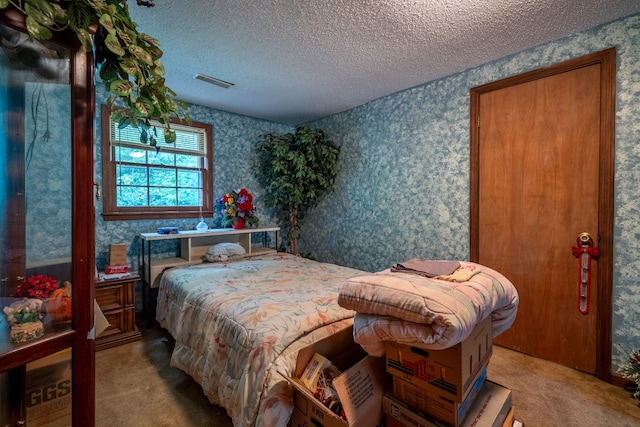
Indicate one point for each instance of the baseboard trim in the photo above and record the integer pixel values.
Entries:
(620, 381)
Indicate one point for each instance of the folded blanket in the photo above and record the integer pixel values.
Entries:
(426, 312)
(463, 274)
(426, 268)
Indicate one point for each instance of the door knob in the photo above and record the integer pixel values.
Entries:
(585, 239)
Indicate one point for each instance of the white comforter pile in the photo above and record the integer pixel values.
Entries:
(427, 312)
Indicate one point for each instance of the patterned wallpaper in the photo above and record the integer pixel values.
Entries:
(48, 178)
(403, 186)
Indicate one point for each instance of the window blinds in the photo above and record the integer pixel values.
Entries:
(189, 140)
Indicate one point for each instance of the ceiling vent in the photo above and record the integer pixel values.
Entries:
(214, 81)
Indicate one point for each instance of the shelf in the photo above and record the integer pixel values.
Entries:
(187, 234)
(193, 247)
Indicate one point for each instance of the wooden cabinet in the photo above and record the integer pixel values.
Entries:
(117, 300)
(46, 224)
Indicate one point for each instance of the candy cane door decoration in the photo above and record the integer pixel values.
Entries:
(584, 252)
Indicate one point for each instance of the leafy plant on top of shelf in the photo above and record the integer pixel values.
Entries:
(128, 61)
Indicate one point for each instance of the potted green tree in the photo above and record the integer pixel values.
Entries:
(129, 61)
(297, 170)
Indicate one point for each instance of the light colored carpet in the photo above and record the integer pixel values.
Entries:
(547, 394)
(135, 386)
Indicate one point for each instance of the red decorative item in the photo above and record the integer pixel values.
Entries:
(238, 224)
(39, 287)
(236, 209)
(584, 252)
(113, 269)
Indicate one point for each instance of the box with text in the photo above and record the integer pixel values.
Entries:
(491, 408)
(360, 385)
(436, 404)
(451, 370)
(48, 390)
(118, 254)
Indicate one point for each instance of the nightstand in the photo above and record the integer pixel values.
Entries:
(117, 300)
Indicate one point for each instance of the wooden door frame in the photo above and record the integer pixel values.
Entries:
(607, 61)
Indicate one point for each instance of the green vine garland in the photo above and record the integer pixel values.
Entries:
(129, 61)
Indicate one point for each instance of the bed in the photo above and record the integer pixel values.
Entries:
(238, 323)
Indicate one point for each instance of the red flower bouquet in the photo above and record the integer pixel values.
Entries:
(39, 287)
(237, 206)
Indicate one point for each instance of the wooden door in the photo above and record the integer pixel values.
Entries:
(541, 174)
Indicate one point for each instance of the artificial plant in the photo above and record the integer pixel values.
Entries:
(128, 61)
(297, 170)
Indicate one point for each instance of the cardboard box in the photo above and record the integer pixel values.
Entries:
(451, 371)
(490, 409)
(436, 404)
(48, 390)
(118, 254)
(360, 386)
(320, 419)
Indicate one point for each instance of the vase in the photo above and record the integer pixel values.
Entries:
(238, 224)
(23, 332)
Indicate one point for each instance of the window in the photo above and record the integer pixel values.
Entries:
(140, 182)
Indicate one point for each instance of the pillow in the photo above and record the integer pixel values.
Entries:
(224, 252)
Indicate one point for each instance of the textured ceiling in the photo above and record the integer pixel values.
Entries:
(293, 61)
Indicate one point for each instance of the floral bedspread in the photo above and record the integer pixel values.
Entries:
(237, 324)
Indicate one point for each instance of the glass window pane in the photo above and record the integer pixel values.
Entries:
(188, 197)
(130, 155)
(162, 177)
(189, 179)
(186, 161)
(162, 197)
(165, 159)
(131, 175)
(132, 196)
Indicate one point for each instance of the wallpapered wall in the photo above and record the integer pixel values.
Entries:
(48, 178)
(403, 186)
